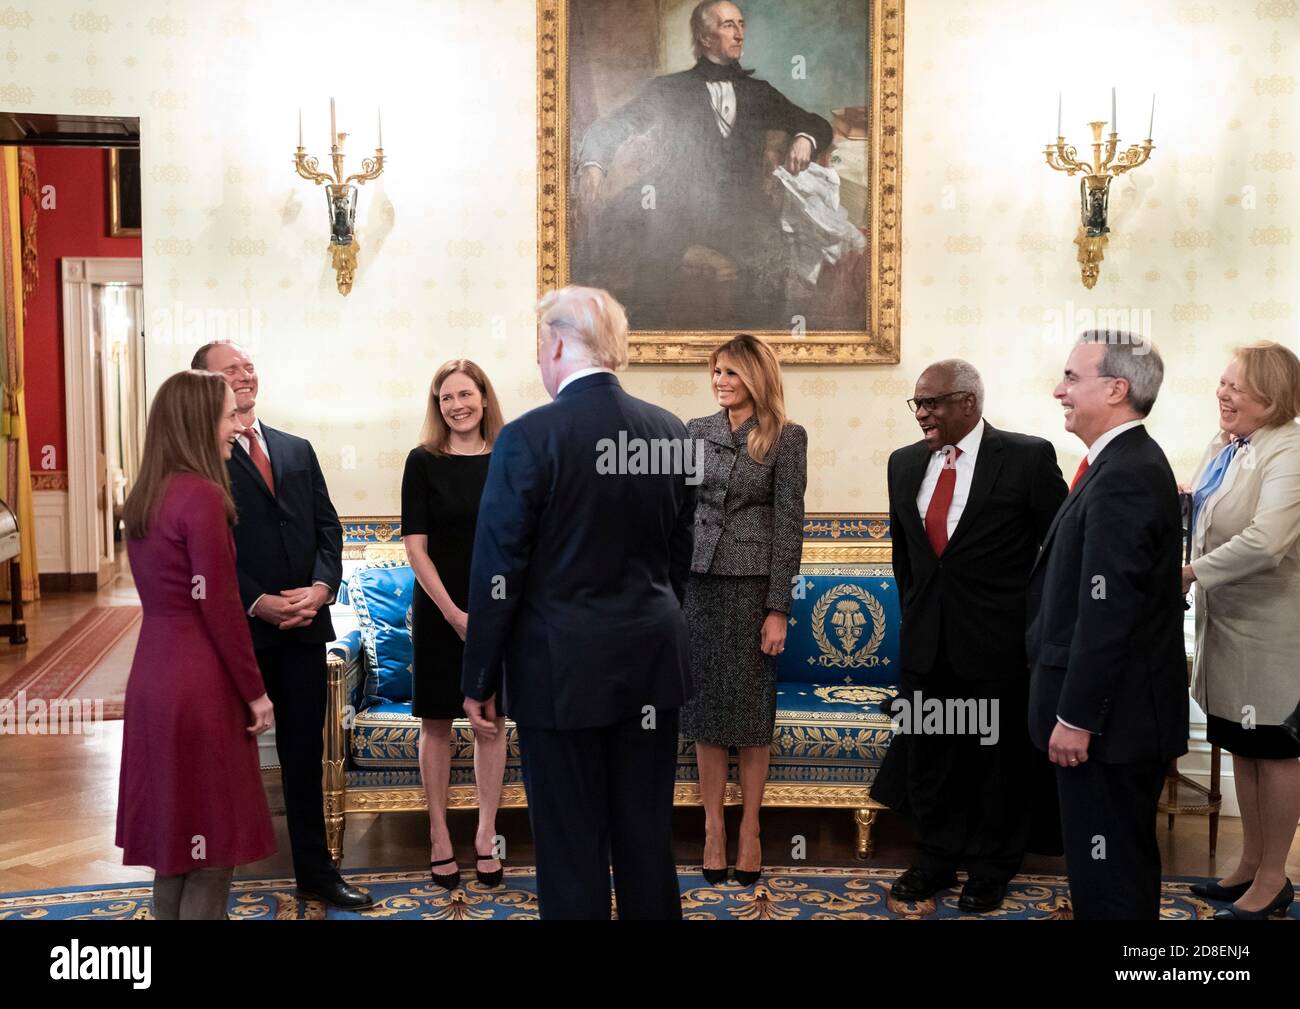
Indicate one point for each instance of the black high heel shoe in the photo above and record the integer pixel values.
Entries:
(714, 876)
(488, 878)
(746, 877)
(1213, 891)
(449, 880)
(1277, 905)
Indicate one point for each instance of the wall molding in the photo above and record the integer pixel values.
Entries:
(81, 383)
(53, 479)
(50, 513)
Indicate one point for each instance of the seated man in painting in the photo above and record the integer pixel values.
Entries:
(705, 204)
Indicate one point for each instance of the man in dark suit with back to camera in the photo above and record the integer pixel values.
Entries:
(575, 618)
(969, 507)
(289, 557)
(1108, 689)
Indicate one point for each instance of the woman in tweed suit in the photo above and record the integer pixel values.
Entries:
(1246, 570)
(748, 540)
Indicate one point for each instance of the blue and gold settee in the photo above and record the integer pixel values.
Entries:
(835, 681)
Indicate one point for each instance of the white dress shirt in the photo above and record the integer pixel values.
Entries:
(1102, 441)
(582, 373)
(965, 467)
(261, 439)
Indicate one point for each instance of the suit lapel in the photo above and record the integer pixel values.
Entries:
(1107, 453)
(241, 456)
(910, 476)
(987, 466)
(718, 431)
(275, 448)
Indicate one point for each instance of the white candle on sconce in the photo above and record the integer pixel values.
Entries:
(1152, 125)
(299, 125)
(1058, 113)
(334, 130)
(380, 113)
(1114, 122)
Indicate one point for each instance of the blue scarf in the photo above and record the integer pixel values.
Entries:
(1214, 474)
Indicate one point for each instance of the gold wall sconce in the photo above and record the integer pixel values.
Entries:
(341, 195)
(1094, 187)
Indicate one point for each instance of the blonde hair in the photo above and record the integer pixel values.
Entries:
(181, 437)
(1271, 373)
(435, 433)
(595, 318)
(758, 369)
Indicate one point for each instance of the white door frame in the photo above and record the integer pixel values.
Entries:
(80, 275)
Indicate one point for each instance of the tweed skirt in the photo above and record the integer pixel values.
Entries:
(734, 703)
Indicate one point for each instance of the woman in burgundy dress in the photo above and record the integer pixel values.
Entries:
(190, 801)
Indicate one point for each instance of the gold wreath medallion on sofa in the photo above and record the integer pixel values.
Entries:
(848, 622)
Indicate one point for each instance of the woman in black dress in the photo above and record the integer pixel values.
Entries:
(441, 488)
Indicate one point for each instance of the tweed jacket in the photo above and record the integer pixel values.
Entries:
(1246, 556)
(749, 515)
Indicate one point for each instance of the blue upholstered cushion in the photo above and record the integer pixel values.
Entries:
(380, 594)
(836, 676)
(843, 627)
(830, 734)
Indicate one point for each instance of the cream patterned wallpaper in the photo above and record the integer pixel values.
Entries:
(1205, 251)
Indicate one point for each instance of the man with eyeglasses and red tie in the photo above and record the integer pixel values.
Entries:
(1108, 682)
(969, 507)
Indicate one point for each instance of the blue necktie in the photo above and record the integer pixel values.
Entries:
(1213, 478)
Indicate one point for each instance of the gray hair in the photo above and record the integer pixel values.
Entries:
(596, 320)
(965, 378)
(702, 22)
(1132, 358)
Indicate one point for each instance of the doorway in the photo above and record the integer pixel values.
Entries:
(84, 341)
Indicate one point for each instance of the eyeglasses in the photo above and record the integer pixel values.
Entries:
(930, 402)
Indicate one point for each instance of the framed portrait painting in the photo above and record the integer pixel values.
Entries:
(124, 192)
(726, 167)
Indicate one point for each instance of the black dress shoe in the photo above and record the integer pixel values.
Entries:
(747, 877)
(446, 880)
(917, 884)
(981, 894)
(714, 876)
(1277, 905)
(492, 878)
(1212, 891)
(338, 893)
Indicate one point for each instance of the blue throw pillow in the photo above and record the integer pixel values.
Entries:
(380, 595)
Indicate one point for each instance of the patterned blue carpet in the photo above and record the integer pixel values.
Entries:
(782, 894)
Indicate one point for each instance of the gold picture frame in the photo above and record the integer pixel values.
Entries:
(878, 341)
(123, 214)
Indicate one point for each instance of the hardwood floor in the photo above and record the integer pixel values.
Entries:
(58, 800)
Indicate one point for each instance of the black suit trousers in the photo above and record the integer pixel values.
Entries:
(1108, 817)
(602, 795)
(295, 678)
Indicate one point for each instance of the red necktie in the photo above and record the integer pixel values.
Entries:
(1078, 474)
(936, 516)
(263, 464)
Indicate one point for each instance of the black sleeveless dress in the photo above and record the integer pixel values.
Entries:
(440, 498)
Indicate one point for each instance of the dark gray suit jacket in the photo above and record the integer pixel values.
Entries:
(749, 515)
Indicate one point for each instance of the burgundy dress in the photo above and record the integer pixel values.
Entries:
(191, 795)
